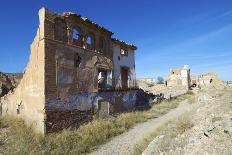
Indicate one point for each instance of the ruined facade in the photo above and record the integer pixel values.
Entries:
(194, 81)
(75, 69)
(179, 77)
(209, 79)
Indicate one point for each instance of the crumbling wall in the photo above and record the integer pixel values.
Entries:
(59, 87)
(210, 80)
(71, 72)
(80, 108)
(179, 77)
(158, 89)
(127, 61)
(27, 100)
(70, 66)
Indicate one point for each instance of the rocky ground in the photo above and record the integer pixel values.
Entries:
(211, 132)
(8, 81)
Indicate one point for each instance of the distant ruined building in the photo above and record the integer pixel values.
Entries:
(76, 69)
(179, 77)
(210, 80)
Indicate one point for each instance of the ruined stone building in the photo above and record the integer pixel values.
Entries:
(75, 69)
(209, 79)
(179, 77)
(194, 80)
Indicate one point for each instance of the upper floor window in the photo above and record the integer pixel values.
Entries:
(101, 44)
(60, 30)
(123, 52)
(75, 34)
(90, 41)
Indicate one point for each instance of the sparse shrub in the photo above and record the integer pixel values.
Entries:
(170, 130)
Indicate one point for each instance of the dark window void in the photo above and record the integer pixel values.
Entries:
(18, 109)
(211, 80)
(102, 79)
(123, 52)
(101, 45)
(124, 77)
(60, 30)
(77, 60)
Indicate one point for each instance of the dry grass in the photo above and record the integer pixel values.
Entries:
(16, 138)
(141, 146)
(169, 131)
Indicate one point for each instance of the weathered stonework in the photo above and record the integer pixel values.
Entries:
(210, 80)
(74, 64)
(179, 78)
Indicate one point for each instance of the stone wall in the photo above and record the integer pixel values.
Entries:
(179, 77)
(27, 101)
(64, 78)
(59, 88)
(81, 107)
(71, 66)
(57, 120)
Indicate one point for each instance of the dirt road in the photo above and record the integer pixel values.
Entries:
(124, 144)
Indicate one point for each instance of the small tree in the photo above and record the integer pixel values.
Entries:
(160, 80)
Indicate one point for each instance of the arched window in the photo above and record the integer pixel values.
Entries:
(90, 41)
(75, 34)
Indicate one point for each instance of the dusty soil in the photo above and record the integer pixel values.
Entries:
(211, 115)
(212, 131)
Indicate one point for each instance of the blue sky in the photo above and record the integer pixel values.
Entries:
(168, 33)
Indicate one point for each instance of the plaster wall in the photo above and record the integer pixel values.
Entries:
(27, 101)
(123, 61)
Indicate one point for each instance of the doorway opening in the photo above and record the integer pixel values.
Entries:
(124, 77)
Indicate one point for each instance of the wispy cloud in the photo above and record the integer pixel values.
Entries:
(227, 13)
(181, 47)
(199, 57)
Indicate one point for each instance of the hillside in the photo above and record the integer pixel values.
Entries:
(9, 81)
(205, 129)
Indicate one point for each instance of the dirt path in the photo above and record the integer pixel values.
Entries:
(124, 144)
